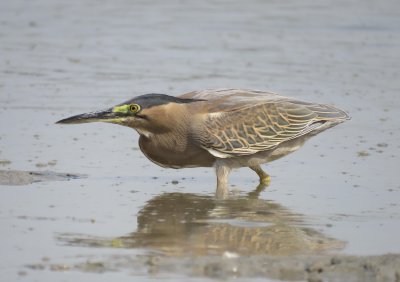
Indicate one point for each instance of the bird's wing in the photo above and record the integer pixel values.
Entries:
(262, 126)
(226, 100)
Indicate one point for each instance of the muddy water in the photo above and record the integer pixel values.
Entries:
(127, 218)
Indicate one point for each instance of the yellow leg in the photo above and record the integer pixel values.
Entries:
(265, 179)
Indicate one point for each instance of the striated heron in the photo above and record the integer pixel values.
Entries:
(224, 128)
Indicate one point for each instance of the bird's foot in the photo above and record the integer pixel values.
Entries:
(265, 180)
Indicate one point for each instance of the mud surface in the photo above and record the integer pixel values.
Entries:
(294, 268)
(332, 210)
(16, 178)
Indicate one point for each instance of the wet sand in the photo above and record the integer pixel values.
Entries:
(331, 212)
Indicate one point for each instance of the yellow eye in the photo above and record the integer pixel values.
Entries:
(134, 108)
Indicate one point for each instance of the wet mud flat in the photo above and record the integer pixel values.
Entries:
(294, 268)
(16, 178)
(82, 203)
(241, 237)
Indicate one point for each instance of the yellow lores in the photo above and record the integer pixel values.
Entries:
(224, 128)
(125, 109)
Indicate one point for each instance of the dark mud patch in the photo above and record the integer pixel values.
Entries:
(17, 178)
(5, 162)
(287, 268)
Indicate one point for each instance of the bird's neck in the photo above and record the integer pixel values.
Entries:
(171, 129)
(169, 141)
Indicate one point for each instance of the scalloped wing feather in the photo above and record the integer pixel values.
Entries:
(261, 124)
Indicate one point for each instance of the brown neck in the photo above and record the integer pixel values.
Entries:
(169, 127)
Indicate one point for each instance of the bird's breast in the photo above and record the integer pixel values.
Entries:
(173, 153)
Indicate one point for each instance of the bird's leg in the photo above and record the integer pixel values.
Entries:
(222, 172)
(265, 179)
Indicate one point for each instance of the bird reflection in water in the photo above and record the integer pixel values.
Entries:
(179, 224)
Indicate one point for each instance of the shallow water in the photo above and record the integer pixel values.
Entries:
(338, 194)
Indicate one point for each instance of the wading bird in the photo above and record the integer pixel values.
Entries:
(222, 128)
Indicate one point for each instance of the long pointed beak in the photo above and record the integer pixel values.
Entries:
(104, 116)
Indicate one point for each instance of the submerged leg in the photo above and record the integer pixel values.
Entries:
(265, 179)
(222, 172)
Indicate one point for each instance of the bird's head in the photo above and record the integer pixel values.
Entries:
(149, 112)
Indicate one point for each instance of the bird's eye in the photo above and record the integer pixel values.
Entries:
(134, 108)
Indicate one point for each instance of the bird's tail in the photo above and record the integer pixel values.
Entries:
(329, 113)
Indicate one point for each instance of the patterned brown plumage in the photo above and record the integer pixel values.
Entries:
(224, 128)
(258, 121)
